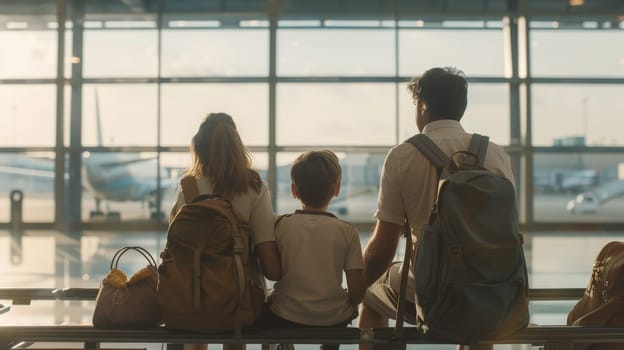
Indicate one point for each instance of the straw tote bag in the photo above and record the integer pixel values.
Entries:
(124, 302)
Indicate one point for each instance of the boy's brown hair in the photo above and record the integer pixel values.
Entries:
(316, 174)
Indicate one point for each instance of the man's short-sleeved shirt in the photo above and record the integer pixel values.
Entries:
(315, 249)
(408, 184)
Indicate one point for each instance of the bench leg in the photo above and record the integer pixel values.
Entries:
(171, 346)
(476, 347)
(558, 347)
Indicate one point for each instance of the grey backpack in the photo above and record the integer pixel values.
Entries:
(470, 272)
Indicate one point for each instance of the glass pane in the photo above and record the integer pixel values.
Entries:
(336, 114)
(122, 186)
(577, 187)
(487, 112)
(561, 260)
(561, 112)
(32, 54)
(27, 187)
(340, 52)
(564, 260)
(120, 53)
(127, 114)
(577, 53)
(57, 260)
(23, 107)
(184, 106)
(192, 53)
(421, 49)
(360, 184)
(31, 262)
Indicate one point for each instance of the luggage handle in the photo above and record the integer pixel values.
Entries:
(398, 328)
(476, 164)
(140, 250)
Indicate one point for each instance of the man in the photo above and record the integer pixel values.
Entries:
(408, 189)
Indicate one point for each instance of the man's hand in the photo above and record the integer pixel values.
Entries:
(380, 250)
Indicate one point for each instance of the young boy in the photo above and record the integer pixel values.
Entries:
(315, 249)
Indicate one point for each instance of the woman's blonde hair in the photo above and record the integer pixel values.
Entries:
(218, 153)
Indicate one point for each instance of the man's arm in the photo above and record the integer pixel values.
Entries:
(380, 250)
(355, 286)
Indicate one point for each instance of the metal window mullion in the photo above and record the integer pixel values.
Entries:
(397, 129)
(75, 156)
(158, 207)
(272, 173)
(59, 151)
(511, 24)
(528, 168)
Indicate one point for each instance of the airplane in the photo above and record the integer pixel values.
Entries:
(559, 180)
(590, 201)
(109, 176)
(118, 177)
(122, 177)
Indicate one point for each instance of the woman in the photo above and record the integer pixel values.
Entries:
(221, 164)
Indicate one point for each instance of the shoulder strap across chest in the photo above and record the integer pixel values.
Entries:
(478, 147)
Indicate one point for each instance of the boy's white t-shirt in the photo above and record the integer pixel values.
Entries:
(315, 249)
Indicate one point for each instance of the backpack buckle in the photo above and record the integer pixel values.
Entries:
(238, 246)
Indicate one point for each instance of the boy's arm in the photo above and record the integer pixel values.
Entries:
(269, 260)
(356, 286)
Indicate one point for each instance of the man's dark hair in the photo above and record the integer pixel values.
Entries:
(444, 90)
(316, 174)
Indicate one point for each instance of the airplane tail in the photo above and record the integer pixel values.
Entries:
(97, 119)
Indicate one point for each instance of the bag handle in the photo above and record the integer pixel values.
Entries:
(400, 314)
(140, 250)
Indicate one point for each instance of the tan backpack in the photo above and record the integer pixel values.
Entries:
(208, 278)
(603, 302)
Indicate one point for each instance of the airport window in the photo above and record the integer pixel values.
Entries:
(584, 111)
(336, 114)
(127, 114)
(120, 53)
(577, 53)
(27, 115)
(336, 52)
(578, 187)
(184, 106)
(215, 52)
(476, 52)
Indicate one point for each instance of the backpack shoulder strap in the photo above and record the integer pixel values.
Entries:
(478, 146)
(189, 189)
(430, 150)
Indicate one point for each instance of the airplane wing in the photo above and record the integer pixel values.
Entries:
(126, 162)
(20, 171)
